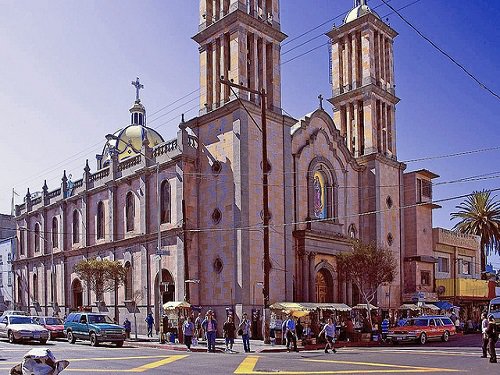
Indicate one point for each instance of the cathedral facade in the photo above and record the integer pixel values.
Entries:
(185, 216)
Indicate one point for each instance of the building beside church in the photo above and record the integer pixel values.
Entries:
(7, 243)
(331, 177)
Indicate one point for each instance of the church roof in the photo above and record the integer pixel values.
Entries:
(359, 10)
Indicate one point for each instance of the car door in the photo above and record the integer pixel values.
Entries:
(3, 326)
(433, 329)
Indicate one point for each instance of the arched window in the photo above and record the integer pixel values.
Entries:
(55, 234)
(322, 194)
(21, 241)
(76, 227)
(165, 202)
(100, 220)
(128, 281)
(37, 237)
(35, 287)
(130, 211)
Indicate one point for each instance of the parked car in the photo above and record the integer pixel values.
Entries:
(423, 328)
(13, 312)
(54, 325)
(494, 309)
(94, 327)
(19, 328)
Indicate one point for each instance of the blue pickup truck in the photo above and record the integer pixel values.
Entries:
(94, 327)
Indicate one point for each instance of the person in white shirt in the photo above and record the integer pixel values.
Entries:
(484, 336)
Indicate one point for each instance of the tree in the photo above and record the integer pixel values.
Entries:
(368, 266)
(479, 214)
(101, 275)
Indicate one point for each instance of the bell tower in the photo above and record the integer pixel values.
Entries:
(240, 40)
(363, 82)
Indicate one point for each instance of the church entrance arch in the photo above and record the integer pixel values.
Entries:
(324, 286)
(166, 290)
(77, 293)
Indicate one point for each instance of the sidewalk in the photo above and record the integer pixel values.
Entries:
(256, 346)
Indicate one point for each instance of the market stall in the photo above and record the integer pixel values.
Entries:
(175, 312)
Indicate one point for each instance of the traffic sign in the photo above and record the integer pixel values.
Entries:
(162, 252)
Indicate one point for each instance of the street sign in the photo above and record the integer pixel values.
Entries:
(162, 252)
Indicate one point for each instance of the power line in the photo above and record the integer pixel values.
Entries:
(453, 154)
(446, 54)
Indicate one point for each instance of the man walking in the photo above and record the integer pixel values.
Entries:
(150, 321)
(127, 325)
(291, 333)
(229, 330)
(492, 338)
(244, 329)
(209, 324)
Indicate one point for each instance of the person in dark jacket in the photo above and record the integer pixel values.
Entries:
(229, 333)
(492, 332)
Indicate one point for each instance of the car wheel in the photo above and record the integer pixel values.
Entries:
(446, 336)
(423, 338)
(43, 341)
(12, 339)
(119, 344)
(71, 338)
(93, 340)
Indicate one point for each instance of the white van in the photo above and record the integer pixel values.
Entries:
(494, 309)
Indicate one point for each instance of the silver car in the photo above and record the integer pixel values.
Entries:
(19, 328)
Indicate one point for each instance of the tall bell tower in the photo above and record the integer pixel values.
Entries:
(364, 103)
(240, 40)
(363, 82)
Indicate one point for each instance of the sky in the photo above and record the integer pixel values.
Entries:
(67, 67)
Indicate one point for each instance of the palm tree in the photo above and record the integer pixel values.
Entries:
(479, 214)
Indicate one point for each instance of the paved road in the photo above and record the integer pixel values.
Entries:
(402, 359)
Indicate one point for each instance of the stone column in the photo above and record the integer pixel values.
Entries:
(312, 277)
(305, 276)
(349, 62)
(349, 293)
(335, 68)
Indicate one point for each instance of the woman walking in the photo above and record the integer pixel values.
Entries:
(188, 330)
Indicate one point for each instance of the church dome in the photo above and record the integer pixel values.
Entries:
(128, 142)
(359, 10)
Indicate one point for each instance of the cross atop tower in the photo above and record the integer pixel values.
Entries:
(137, 86)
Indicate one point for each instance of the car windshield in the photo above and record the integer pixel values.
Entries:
(20, 320)
(495, 308)
(53, 321)
(417, 322)
(99, 319)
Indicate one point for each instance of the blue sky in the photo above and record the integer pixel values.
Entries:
(67, 66)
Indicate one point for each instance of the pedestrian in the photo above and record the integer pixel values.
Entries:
(300, 329)
(244, 331)
(329, 330)
(290, 333)
(150, 321)
(384, 329)
(197, 325)
(229, 332)
(492, 332)
(484, 335)
(127, 325)
(209, 324)
(188, 331)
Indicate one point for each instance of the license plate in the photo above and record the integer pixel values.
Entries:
(399, 338)
(36, 335)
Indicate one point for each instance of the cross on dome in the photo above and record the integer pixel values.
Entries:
(137, 86)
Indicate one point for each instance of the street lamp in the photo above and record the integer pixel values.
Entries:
(110, 137)
(52, 269)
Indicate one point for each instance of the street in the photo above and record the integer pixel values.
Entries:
(460, 355)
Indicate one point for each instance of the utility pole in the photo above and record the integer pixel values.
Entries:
(265, 197)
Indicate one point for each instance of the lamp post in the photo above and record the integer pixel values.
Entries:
(110, 137)
(52, 270)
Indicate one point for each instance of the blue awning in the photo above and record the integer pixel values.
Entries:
(443, 305)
